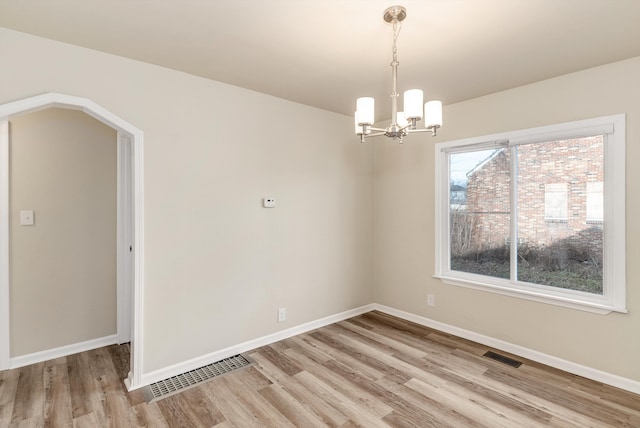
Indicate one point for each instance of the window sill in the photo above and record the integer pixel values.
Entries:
(533, 295)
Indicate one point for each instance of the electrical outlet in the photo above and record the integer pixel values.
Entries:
(431, 300)
(282, 314)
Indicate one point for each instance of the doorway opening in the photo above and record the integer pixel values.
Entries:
(130, 242)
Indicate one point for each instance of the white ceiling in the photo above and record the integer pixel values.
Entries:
(325, 53)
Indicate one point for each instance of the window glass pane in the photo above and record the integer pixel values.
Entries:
(479, 212)
(595, 202)
(557, 246)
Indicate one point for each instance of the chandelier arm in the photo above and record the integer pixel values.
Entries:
(407, 128)
(432, 129)
(376, 134)
(363, 137)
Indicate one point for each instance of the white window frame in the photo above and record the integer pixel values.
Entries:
(613, 298)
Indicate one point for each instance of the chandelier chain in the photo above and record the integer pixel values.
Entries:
(397, 26)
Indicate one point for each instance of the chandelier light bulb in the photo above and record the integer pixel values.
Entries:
(433, 114)
(413, 99)
(365, 110)
(359, 128)
(401, 119)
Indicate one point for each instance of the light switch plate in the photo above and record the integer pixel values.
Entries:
(26, 218)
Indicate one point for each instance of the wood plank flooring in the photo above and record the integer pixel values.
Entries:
(373, 370)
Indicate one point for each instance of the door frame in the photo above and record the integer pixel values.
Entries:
(130, 223)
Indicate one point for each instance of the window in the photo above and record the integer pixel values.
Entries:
(555, 201)
(542, 216)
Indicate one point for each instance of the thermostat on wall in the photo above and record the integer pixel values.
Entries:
(269, 202)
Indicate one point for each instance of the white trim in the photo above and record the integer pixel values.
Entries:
(540, 357)
(5, 317)
(157, 375)
(52, 99)
(533, 293)
(62, 351)
(134, 378)
(87, 106)
(124, 237)
(614, 204)
(578, 129)
(195, 363)
(513, 203)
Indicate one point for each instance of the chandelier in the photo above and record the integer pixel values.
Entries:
(402, 122)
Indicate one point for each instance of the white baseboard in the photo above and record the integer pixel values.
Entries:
(157, 375)
(559, 363)
(194, 363)
(549, 360)
(62, 351)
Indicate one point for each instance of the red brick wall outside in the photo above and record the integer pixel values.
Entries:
(488, 189)
(575, 162)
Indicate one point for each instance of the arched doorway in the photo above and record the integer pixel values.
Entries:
(130, 242)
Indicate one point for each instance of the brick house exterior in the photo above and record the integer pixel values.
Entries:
(559, 188)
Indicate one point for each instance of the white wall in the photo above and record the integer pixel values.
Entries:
(217, 264)
(404, 223)
(63, 268)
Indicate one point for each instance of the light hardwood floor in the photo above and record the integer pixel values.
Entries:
(372, 370)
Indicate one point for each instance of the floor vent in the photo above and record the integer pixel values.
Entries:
(179, 383)
(501, 358)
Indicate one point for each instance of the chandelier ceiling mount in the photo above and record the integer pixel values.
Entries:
(395, 13)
